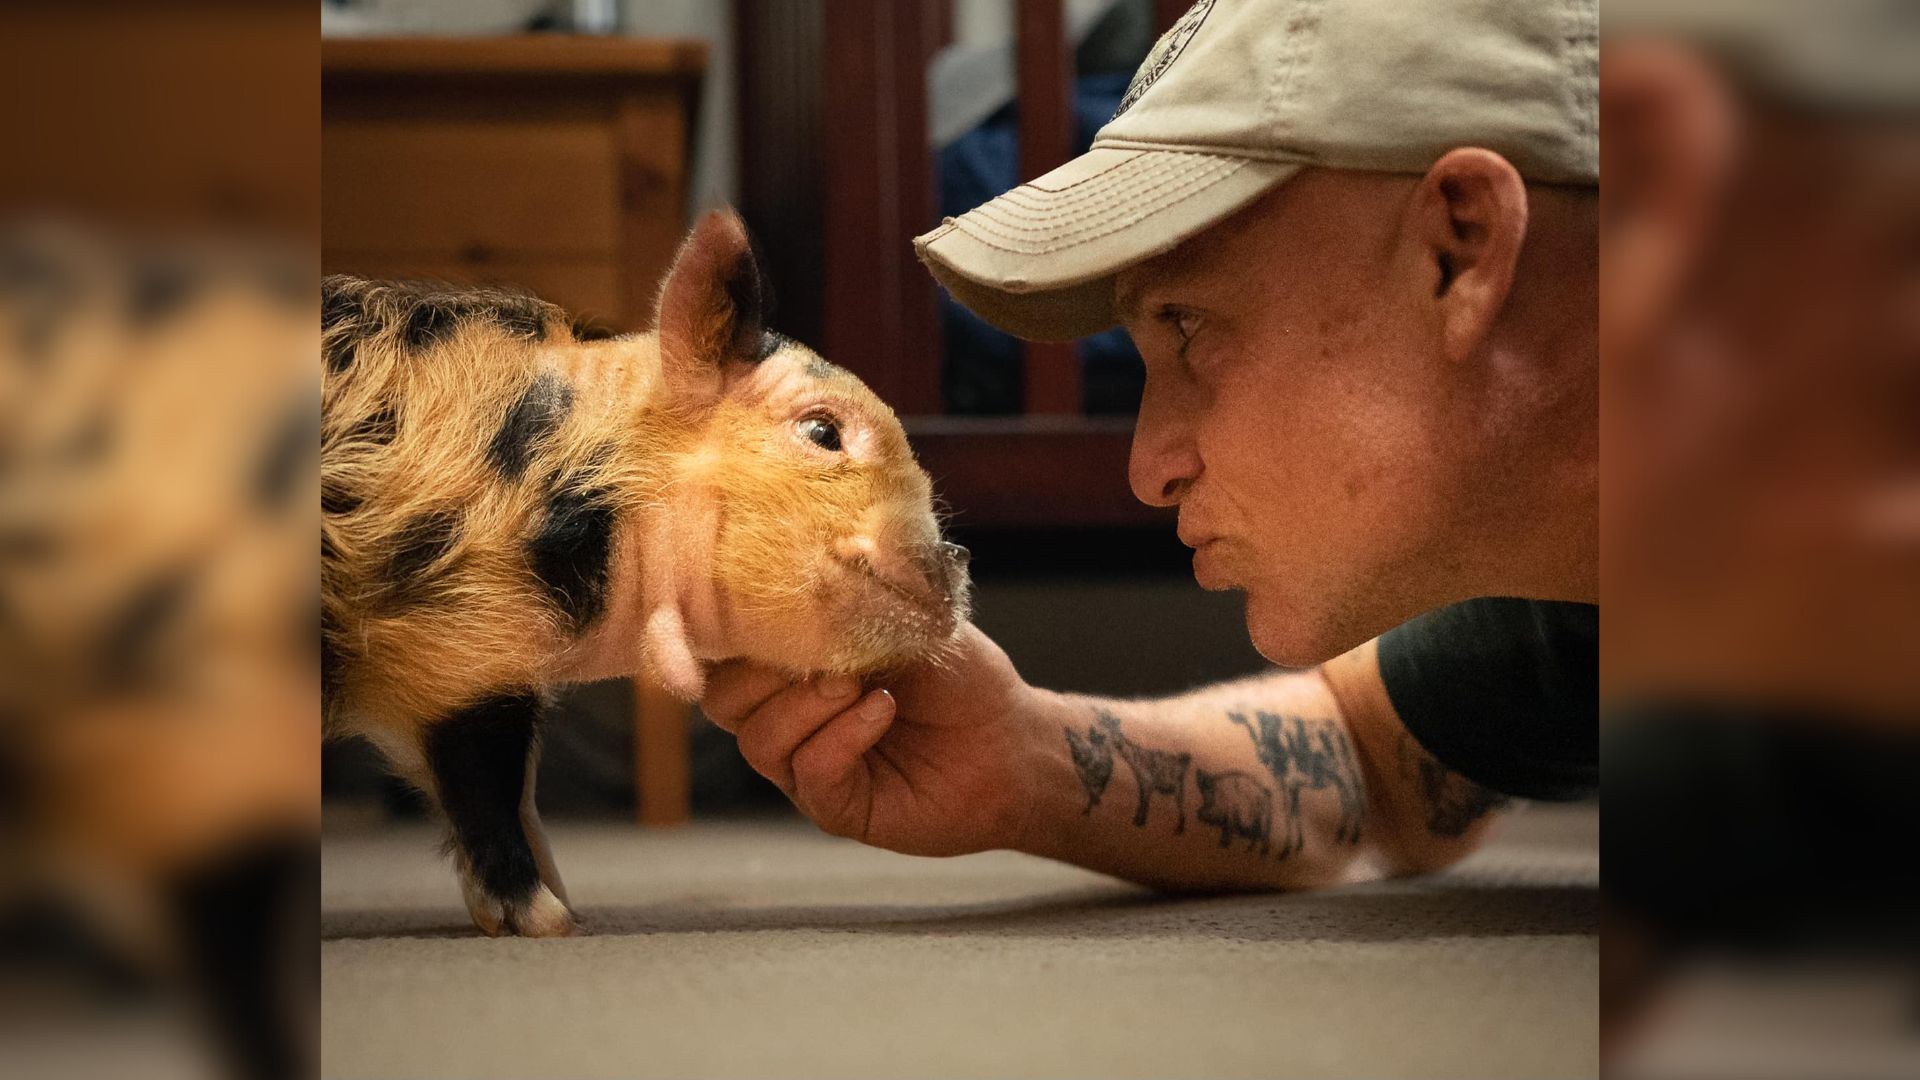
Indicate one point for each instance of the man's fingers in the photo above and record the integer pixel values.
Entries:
(826, 762)
(736, 688)
(771, 733)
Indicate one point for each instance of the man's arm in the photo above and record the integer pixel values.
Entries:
(1290, 780)
(1279, 781)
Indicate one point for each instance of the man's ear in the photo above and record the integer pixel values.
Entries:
(1668, 155)
(1469, 217)
(713, 308)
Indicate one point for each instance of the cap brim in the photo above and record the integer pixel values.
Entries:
(1039, 261)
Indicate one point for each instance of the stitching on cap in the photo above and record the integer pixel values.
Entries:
(1085, 179)
(1135, 181)
(1159, 160)
(1143, 182)
(1023, 197)
(1200, 183)
(1054, 226)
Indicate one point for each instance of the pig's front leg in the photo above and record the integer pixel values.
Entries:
(481, 759)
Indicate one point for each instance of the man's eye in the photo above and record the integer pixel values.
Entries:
(821, 432)
(1183, 322)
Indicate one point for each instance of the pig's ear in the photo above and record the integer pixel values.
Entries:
(713, 308)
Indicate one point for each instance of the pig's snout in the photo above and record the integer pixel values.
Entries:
(944, 567)
(941, 562)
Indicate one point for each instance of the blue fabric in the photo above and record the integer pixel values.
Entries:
(983, 369)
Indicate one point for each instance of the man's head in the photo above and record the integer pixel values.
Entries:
(1355, 241)
(1370, 394)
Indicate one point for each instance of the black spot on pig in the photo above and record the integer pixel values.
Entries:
(420, 553)
(433, 316)
(530, 419)
(336, 499)
(428, 321)
(570, 553)
(521, 316)
(378, 428)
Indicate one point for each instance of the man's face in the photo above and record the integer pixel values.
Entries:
(1299, 412)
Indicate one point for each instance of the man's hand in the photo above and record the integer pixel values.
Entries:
(932, 760)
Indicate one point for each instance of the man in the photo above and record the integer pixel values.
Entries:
(1356, 244)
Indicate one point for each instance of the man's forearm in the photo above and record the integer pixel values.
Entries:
(1252, 784)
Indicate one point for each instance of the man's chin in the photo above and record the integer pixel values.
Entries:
(1290, 637)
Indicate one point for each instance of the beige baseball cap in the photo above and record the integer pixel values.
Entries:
(1240, 95)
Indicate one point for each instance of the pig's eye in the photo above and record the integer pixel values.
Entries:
(821, 432)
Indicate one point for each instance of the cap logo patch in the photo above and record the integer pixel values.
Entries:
(1165, 52)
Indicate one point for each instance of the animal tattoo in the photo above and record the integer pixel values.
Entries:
(1300, 760)
(507, 506)
(1093, 759)
(1454, 802)
(1238, 805)
(1155, 772)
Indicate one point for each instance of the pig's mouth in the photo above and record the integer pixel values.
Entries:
(930, 592)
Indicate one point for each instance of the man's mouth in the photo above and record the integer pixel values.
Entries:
(1195, 536)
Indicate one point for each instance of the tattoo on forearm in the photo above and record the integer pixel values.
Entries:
(1300, 755)
(1155, 772)
(1453, 802)
(1236, 804)
(1093, 760)
(1302, 760)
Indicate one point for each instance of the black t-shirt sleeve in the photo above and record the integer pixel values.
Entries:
(1504, 692)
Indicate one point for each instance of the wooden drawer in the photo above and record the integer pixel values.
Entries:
(476, 188)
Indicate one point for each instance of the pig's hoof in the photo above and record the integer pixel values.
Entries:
(542, 915)
(539, 915)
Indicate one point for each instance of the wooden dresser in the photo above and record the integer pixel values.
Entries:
(554, 163)
(558, 164)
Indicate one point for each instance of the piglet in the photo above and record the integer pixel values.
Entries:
(508, 508)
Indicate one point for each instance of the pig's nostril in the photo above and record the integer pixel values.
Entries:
(957, 553)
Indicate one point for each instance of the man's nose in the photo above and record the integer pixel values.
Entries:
(1163, 461)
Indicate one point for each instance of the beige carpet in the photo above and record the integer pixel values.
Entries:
(766, 949)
